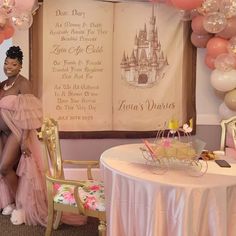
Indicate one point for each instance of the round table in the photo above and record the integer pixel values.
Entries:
(142, 203)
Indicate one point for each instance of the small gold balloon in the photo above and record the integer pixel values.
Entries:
(230, 100)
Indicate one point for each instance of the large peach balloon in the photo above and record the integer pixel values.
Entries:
(223, 81)
(216, 46)
(230, 30)
(230, 100)
(187, 4)
(200, 41)
(197, 25)
(8, 31)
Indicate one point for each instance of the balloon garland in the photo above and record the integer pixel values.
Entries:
(213, 24)
(15, 15)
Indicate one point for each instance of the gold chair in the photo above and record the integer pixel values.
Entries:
(85, 197)
(228, 133)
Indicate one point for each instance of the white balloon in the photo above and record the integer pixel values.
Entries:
(223, 80)
(225, 112)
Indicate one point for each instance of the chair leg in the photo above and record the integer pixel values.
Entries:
(102, 228)
(57, 220)
(49, 222)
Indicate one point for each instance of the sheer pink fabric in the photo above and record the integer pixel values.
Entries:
(31, 193)
(6, 198)
(25, 112)
(19, 113)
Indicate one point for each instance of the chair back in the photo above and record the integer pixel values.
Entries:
(52, 149)
(228, 133)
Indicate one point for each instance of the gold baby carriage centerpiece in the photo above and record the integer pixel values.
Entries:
(174, 149)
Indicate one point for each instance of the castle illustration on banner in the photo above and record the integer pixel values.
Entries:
(145, 66)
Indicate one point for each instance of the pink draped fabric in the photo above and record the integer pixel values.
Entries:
(19, 113)
(6, 198)
(25, 112)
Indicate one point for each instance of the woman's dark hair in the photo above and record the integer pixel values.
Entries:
(15, 52)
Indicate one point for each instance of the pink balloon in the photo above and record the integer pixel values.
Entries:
(216, 46)
(187, 4)
(197, 25)
(25, 4)
(210, 61)
(200, 41)
(230, 30)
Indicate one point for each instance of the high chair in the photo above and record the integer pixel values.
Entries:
(84, 197)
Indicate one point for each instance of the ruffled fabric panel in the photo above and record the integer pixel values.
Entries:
(26, 110)
(31, 193)
(6, 196)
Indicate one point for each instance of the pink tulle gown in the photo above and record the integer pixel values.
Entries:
(24, 112)
(20, 112)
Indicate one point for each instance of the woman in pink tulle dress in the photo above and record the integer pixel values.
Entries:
(22, 184)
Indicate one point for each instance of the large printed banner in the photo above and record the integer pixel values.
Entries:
(115, 66)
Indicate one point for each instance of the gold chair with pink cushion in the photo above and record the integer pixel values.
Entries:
(82, 197)
(228, 136)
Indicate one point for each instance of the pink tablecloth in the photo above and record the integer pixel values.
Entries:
(141, 203)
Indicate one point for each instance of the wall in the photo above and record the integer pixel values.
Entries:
(207, 104)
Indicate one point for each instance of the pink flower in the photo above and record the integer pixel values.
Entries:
(69, 196)
(95, 187)
(90, 202)
(56, 186)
